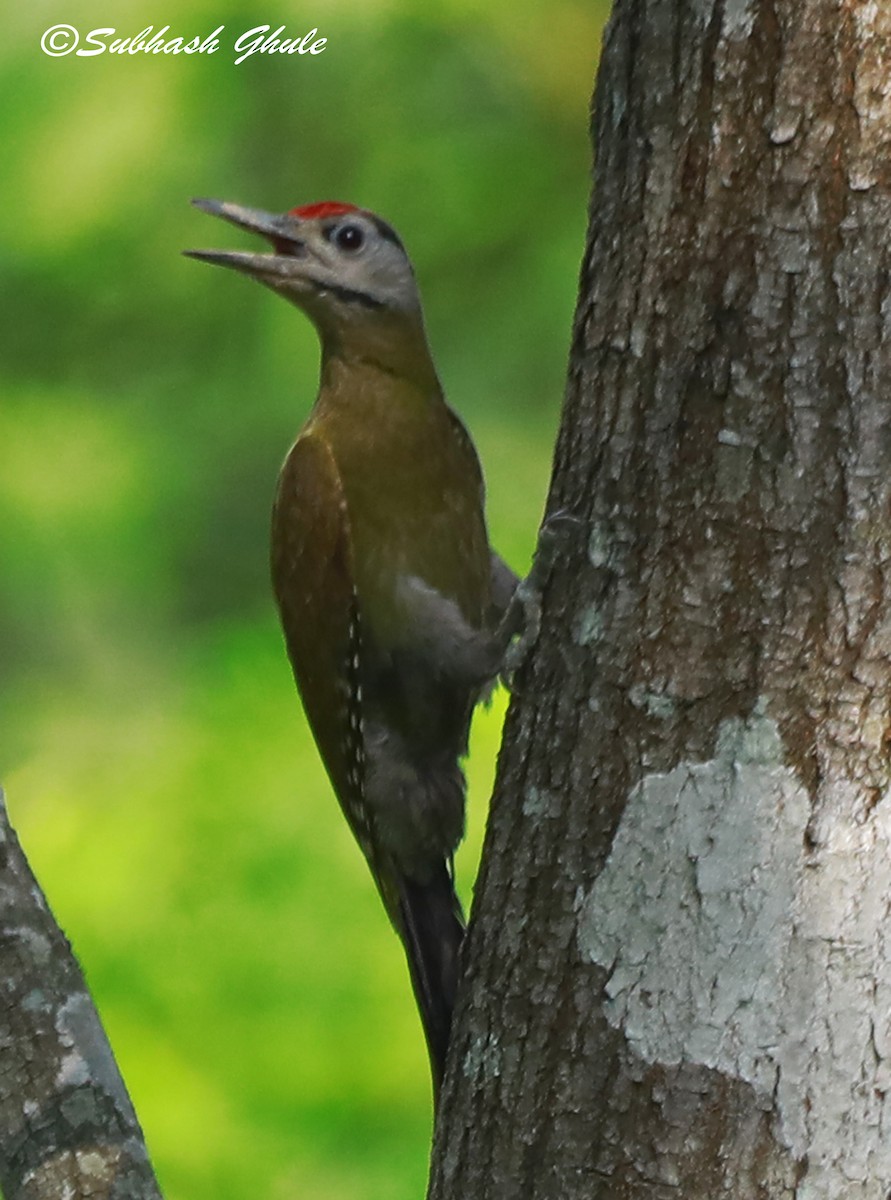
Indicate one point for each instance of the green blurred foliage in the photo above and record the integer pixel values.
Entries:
(154, 753)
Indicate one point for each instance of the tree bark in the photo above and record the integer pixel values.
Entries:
(678, 976)
(67, 1128)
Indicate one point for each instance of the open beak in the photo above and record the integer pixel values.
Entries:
(281, 231)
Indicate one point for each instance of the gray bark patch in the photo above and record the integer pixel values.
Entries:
(732, 945)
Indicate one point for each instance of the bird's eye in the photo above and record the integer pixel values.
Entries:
(349, 237)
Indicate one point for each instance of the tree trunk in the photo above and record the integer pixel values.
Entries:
(677, 976)
(67, 1128)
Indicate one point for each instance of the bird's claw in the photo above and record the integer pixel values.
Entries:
(522, 622)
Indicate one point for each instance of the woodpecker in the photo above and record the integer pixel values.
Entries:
(390, 596)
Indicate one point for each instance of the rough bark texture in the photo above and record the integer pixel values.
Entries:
(678, 980)
(67, 1128)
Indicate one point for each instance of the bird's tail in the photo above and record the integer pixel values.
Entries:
(433, 928)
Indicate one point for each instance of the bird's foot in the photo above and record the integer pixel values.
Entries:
(521, 624)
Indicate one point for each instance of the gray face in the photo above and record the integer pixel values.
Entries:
(358, 258)
(328, 265)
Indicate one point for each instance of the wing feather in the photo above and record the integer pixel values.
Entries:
(313, 579)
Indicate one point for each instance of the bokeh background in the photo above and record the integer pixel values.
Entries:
(152, 748)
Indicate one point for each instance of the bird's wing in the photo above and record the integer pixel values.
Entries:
(503, 581)
(312, 574)
(314, 582)
(471, 459)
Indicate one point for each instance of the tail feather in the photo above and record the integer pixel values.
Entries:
(433, 930)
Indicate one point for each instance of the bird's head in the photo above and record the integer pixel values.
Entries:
(342, 265)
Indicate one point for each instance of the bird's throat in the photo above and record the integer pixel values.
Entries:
(384, 343)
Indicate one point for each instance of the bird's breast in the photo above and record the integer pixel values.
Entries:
(414, 514)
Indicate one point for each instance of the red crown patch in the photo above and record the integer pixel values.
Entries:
(325, 208)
